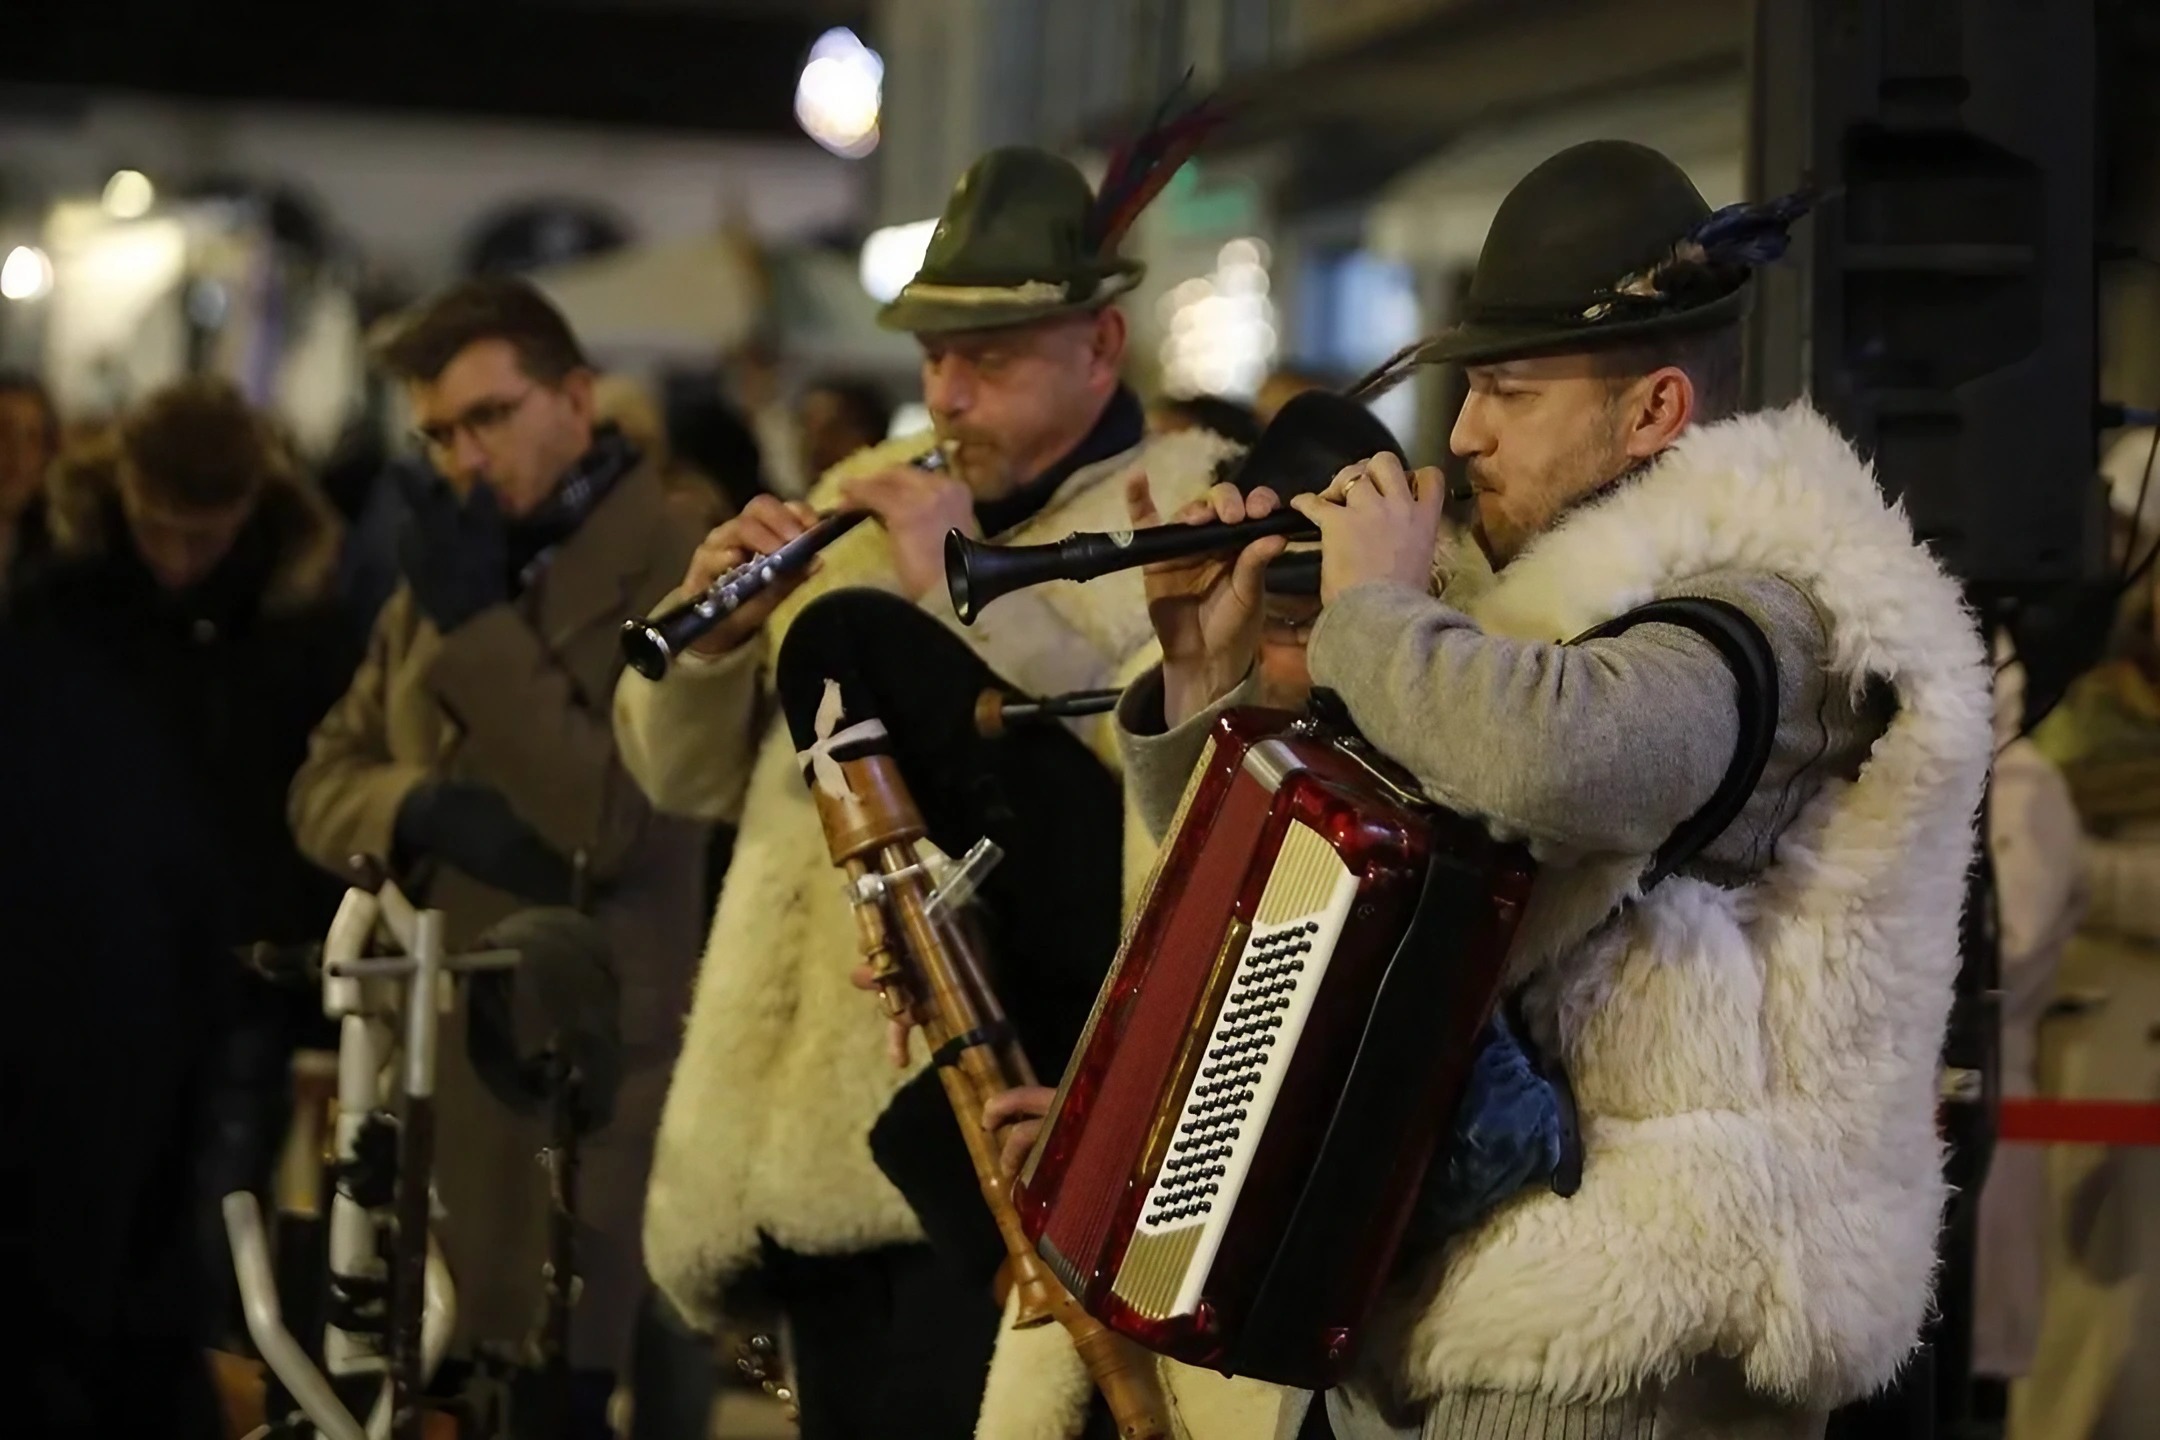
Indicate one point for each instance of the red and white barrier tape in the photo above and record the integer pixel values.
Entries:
(2041, 1121)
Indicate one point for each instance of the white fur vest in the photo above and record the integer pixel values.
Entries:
(1756, 1068)
(783, 1069)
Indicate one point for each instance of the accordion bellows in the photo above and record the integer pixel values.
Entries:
(1281, 1042)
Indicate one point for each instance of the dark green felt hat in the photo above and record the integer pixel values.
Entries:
(1013, 245)
(1579, 257)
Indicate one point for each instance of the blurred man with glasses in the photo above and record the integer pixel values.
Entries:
(474, 754)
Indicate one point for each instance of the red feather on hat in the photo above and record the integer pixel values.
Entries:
(1142, 166)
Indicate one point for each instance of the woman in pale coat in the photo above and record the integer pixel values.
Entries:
(2094, 1373)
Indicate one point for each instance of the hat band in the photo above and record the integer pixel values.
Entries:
(1608, 305)
(1027, 292)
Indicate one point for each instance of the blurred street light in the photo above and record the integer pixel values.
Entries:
(891, 256)
(26, 274)
(129, 195)
(837, 99)
(1221, 325)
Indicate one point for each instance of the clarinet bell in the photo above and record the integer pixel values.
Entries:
(977, 572)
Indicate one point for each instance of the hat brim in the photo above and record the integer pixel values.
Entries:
(932, 314)
(1475, 343)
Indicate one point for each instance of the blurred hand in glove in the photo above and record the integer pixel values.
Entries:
(471, 826)
(455, 553)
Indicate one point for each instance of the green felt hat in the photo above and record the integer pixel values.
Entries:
(1012, 246)
(1569, 261)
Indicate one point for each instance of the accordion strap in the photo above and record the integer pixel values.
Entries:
(1739, 641)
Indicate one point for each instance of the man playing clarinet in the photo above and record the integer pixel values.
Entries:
(765, 1159)
(1751, 1042)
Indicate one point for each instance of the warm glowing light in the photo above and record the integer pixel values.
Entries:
(1221, 326)
(26, 274)
(838, 96)
(129, 195)
(891, 256)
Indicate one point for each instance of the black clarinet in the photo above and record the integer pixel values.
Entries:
(650, 646)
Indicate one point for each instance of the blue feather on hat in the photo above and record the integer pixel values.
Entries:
(1716, 255)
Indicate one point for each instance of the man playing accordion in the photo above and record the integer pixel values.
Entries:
(1750, 1041)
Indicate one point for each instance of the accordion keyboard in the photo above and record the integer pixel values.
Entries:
(1300, 916)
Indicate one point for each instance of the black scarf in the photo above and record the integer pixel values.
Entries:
(1118, 429)
(535, 538)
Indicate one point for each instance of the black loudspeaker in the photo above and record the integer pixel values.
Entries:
(1940, 306)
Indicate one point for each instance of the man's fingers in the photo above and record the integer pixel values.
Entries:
(1197, 512)
(1344, 479)
(1228, 502)
(1385, 473)
(1024, 1103)
(1429, 484)
(896, 1033)
(862, 977)
(717, 555)
(1261, 502)
(1249, 578)
(767, 523)
(1017, 1144)
(804, 515)
(1140, 501)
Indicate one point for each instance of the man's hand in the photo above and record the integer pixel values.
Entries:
(917, 507)
(1376, 523)
(1206, 610)
(764, 525)
(896, 1031)
(471, 826)
(454, 554)
(1023, 1109)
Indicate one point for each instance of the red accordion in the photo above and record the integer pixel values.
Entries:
(1279, 1046)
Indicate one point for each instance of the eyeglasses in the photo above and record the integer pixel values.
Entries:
(482, 419)
(1288, 630)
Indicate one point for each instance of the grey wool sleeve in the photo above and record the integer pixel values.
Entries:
(1603, 747)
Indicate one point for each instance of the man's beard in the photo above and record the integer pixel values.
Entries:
(978, 462)
(1594, 467)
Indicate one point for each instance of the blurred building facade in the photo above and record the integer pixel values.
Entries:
(260, 239)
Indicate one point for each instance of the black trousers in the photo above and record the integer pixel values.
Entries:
(887, 1342)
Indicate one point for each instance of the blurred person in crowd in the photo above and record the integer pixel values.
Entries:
(2104, 1243)
(791, 1148)
(29, 439)
(624, 402)
(473, 754)
(192, 557)
(2033, 841)
(712, 436)
(839, 415)
(1228, 418)
(115, 969)
(1284, 384)
(756, 394)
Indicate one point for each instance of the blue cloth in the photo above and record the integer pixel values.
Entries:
(1506, 1136)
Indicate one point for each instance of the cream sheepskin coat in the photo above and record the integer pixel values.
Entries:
(783, 1069)
(1757, 1067)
